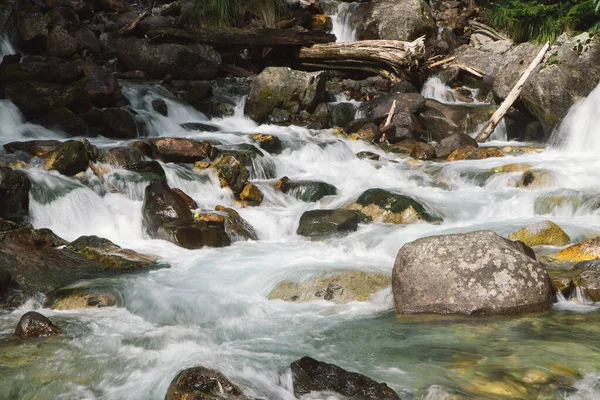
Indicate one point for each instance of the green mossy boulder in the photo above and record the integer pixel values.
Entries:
(307, 191)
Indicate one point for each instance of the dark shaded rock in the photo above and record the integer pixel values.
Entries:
(369, 132)
(64, 120)
(450, 143)
(118, 124)
(466, 152)
(383, 206)
(308, 191)
(187, 200)
(115, 6)
(405, 125)
(200, 383)
(101, 85)
(355, 125)
(198, 95)
(33, 324)
(589, 282)
(148, 167)
(477, 273)
(70, 158)
(60, 44)
(26, 71)
(441, 120)
(236, 227)
(367, 155)
(590, 265)
(405, 102)
(310, 375)
(36, 148)
(423, 151)
(64, 72)
(155, 21)
(285, 89)
(5, 280)
(162, 206)
(269, 143)
(14, 195)
(321, 223)
(87, 40)
(342, 113)
(199, 126)
(160, 107)
(192, 61)
(180, 150)
(124, 156)
(33, 27)
(194, 235)
(232, 173)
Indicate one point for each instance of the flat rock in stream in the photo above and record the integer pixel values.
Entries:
(180, 150)
(310, 375)
(476, 273)
(308, 191)
(323, 223)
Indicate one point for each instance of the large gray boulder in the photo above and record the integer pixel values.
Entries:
(192, 61)
(569, 73)
(394, 20)
(284, 88)
(441, 120)
(476, 273)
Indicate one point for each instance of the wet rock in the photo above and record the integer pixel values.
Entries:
(310, 375)
(582, 251)
(180, 150)
(390, 20)
(64, 120)
(33, 324)
(589, 282)
(101, 85)
(113, 6)
(80, 298)
(449, 144)
(33, 27)
(231, 173)
(189, 202)
(14, 195)
(160, 107)
(60, 44)
(269, 143)
(369, 132)
(382, 206)
(195, 234)
(367, 155)
(123, 156)
(541, 233)
(321, 22)
(252, 194)
(202, 383)
(87, 40)
(118, 124)
(321, 223)
(340, 288)
(563, 199)
(477, 273)
(36, 148)
(405, 102)
(155, 21)
(162, 206)
(517, 167)
(5, 280)
(38, 98)
(474, 153)
(70, 158)
(423, 151)
(236, 227)
(589, 265)
(441, 120)
(307, 191)
(565, 285)
(405, 125)
(198, 126)
(404, 146)
(537, 178)
(342, 113)
(148, 167)
(198, 95)
(192, 61)
(286, 89)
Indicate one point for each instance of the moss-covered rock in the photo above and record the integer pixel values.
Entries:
(582, 251)
(36, 148)
(341, 288)
(123, 156)
(70, 158)
(307, 191)
(322, 223)
(74, 300)
(541, 233)
(231, 173)
(269, 143)
(474, 153)
(382, 206)
(520, 167)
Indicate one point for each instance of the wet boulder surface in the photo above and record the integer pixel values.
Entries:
(34, 325)
(201, 383)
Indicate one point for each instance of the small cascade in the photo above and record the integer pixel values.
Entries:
(343, 28)
(14, 127)
(6, 47)
(435, 89)
(578, 133)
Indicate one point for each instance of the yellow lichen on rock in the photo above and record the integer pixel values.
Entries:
(582, 251)
(541, 233)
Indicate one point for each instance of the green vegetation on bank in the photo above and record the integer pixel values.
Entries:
(238, 12)
(543, 20)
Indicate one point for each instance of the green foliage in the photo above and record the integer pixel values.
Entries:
(543, 20)
(238, 12)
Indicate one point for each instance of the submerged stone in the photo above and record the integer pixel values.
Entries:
(476, 273)
(541, 233)
(536, 179)
(321, 223)
(342, 287)
(269, 143)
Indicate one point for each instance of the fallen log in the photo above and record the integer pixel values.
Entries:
(472, 70)
(511, 98)
(133, 24)
(391, 55)
(442, 62)
(241, 38)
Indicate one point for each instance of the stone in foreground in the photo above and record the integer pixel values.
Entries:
(310, 375)
(202, 383)
(321, 223)
(476, 273)
(583, 251)
(541, 233)
(34, 324)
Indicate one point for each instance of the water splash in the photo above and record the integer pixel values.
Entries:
(6, 47)
(579, 131)
(343, 27)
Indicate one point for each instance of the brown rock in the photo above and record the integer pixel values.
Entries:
(33, 324)
(252, 194)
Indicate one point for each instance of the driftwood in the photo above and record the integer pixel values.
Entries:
(368, 55)
(133, 24)
(488, 31)
(472, 70)
(241, 38)
(442, 62)
(512, 96)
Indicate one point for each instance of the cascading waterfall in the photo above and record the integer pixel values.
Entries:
(579, 132)
(6, 47)
(343, 27)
